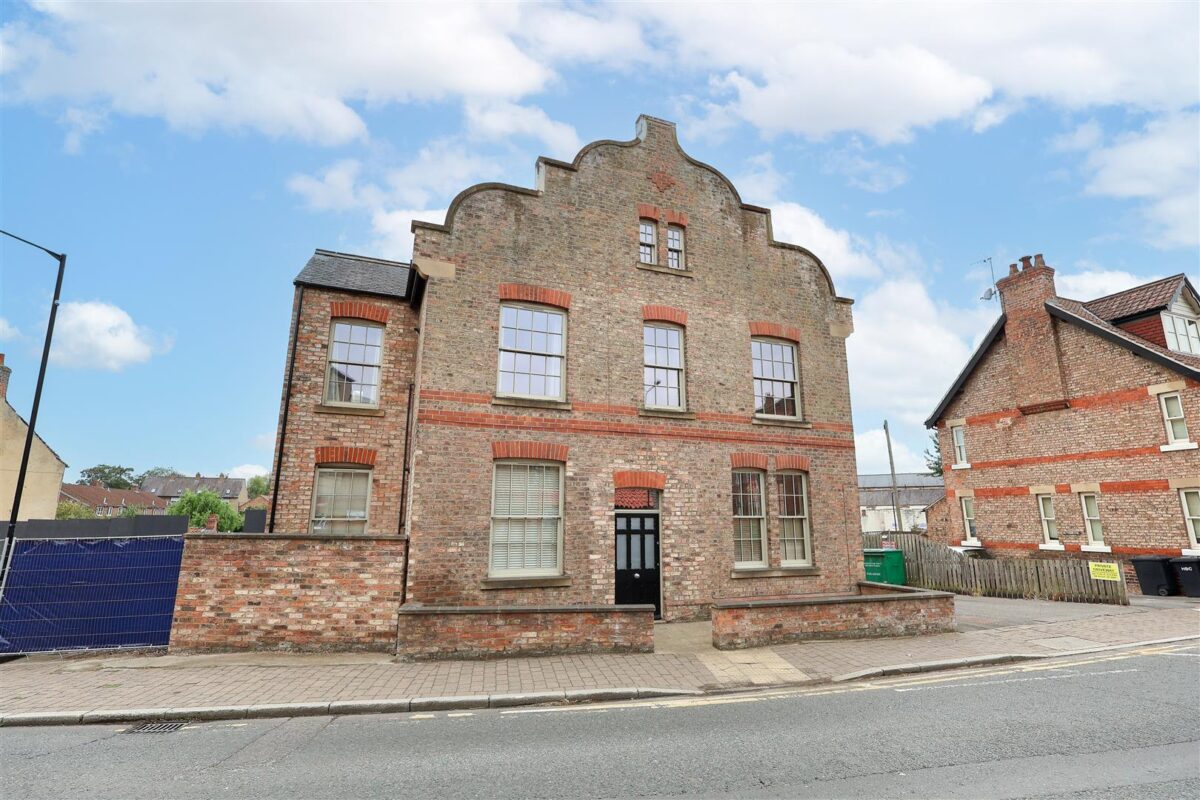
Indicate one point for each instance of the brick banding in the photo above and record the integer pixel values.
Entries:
(748, 461)
(802, 463)
(357, 310)
(639, 479)
(775, 330)
(346, 455)
(535, 294)
(654, 313)
(540, 451)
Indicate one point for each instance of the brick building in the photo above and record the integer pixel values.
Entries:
(1072, 431)
(611, 393)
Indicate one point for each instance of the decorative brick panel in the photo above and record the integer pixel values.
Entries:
(639, 479)
(802, 463)
(346, 455)
(540, 451)
(775, 330)
(359, 310)
(748, 461)
(664, 314)
(535, 294)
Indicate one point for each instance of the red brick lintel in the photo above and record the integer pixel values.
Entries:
(639, 479)
(664, 314)
(539, 451)
(748, 461)
(648, 211)
(346, 455)
(1117, 550)
(535, 294)
(359, 310)
(1106, 487)
(775, 330)
(801, 463)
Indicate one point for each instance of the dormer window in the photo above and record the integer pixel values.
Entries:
(1183, 334)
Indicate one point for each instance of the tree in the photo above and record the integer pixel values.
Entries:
(69, 509)
(158, 472)
(933, 454)
(132, 511)
(257, 486)
(197, 506)
(108, 475)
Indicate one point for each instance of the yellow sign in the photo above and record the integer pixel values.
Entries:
(1104, 571)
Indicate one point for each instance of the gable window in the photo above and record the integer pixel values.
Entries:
(1172, 410)
(959, 435)
(647, 248)
(532, 346)
(662, 367)
(968, 512)
(526, 519)
(1191, 514)
(340, 500)
(795, 540)
(1183, 334)
(1091, 518)
(355, 350)
(1046, 510)
(748, 519)
(774, 368)
(675, 257)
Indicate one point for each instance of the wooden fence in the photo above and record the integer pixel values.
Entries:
(935, 566)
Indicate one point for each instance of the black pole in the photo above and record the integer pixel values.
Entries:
(33, 413)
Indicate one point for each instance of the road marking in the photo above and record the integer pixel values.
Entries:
(1064, 676)
(423, 716)
(462, 714)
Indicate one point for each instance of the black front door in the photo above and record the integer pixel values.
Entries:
(637, 560)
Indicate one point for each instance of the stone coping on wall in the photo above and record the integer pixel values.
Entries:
(303, 537)
(888, 592)
(420, 608)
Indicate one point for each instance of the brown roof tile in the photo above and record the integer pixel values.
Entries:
(92, 496)
(1138, 300)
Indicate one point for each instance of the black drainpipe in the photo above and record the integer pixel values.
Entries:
(287, 402)
(404, 488)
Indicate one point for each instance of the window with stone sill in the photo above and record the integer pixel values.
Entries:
(663, 384)
(1191, 514)
(968, 512)
(355, 355)
(647, 244)
(749, 519)
(1183, 334)
(675, 250)
(1046, 512)
(533, 341)
(958, 435)
(776, 378)
(1091, 518)
(341, 498)
(1172, 411)
(526, 539)
(795, 537)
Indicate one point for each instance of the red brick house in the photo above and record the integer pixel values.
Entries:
(112, 502)
(1073, 429)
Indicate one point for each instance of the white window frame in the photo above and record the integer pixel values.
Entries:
(330, 360)
(1090, 523)
(1190, 522)
(970, 530)
(958, 442)
(312, 509)
(501, 350)
(1182, 333)
(648, 228)
(1168, 419)
(680, 252)
(795, 381)
(805, 538)
(761, 518)
(554, 572)
(1046, 502)
(682, 369)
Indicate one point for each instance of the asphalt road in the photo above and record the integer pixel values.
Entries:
(1111, 725)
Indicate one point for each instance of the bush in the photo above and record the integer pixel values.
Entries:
(69, 509)
(197, 506)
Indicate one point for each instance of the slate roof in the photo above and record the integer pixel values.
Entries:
(330, 270)
(1139, 300)
(913, 488)
(92, 496)
(176, 486)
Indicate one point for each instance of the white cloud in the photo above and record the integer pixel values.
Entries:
(1159, 165)
(335, 189)
(1083, 137)
(870, 450)
(393, 230)
(80, 123)
(501, 120)
(842, 252)
(99, 335)
(264, 441)
(8, 330)
(865, 173)
(1092, 281)
(247, 471)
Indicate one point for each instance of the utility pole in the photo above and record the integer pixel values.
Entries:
(10, 534)
(892, 466)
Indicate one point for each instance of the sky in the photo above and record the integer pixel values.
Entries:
(189, 157)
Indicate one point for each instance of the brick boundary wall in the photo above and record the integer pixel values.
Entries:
(878, 610)
(297, 592)
(445, 632)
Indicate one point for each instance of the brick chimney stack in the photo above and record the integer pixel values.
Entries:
(1032, 346)
(4, 373)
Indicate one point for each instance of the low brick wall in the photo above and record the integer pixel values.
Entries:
(299, 592)
(439, 632)
(878, 609)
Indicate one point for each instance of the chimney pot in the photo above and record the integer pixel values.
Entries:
(1038, 261)
(1012, 269)
(211, 522)
(1025, 262)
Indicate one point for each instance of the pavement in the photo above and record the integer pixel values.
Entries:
(48, 689)
(1118, 724)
